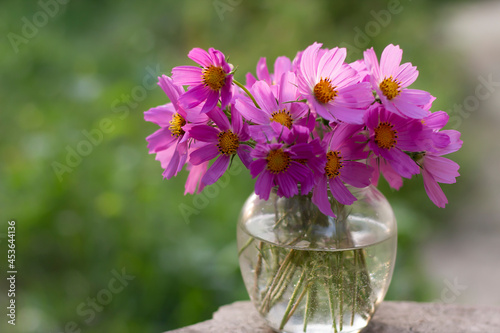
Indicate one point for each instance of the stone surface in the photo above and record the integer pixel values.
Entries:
(391, 317)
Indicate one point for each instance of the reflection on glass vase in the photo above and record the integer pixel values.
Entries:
(308, 272)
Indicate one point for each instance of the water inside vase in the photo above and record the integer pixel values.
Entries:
(314, 285)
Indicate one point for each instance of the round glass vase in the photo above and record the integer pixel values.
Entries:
(309, 272)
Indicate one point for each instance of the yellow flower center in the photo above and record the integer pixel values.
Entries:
(228, 143)
(176, 125)
(333, 164)
(385, 135)
(214, 77)
(283, 117)
(278, 161)
(324, 91)
(390, 88)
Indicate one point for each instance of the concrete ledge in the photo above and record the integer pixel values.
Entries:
(391, 317)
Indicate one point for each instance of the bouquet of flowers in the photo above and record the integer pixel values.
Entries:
(316, 124)
(312, 131)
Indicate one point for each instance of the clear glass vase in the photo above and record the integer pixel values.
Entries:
(308, 272)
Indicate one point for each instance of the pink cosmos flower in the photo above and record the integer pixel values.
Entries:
(390, 80)
(436, 139)
(360, 67)
(170, 142)
(437, 169)
(196, 173)
(381, 166)
(281, 66)
(331, 86)
(277, 114)
(390, 135)
(342, 151)
(222, 141)
(208, 83)
(311, 151)
(278, 165)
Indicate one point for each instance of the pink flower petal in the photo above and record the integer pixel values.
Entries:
(308, 67)
(331, 61)
(436, 120)
(250, 80)
(264, 184)
(357, 96)
(248, 110)
(204, 133)
(226, 92)
(172, 90)
(194, 97)
(340, 192)
(264, 97)
(257, 166)
(160, 115)
(160, 140)
(193, 181)
(401, 163)
(216, 170)
(288, 88)
(219, 118)
(173, 165)
(443, 170)
(350, 116)
(433, 190)
(390, 60)
(393, 178)
(356, 174)
(244, 155)
(345, 77)
(203, 154)
(372, 65)
(415, 96)
(408, 109)
(187, 75)
(455, 142)
(262, 71)
(211, 102)
(320, 197)
(200, 56)
(407, 74)
(286, 186)
(281, 66)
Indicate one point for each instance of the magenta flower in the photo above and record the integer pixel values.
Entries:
(170, 142)
(281, 66)
(381, 166)
(222, 142)
(331, 86)
(390, 134)
(208, 83)
(342, 151)
(437, 169)
(196, 173)
(277, 114)
(390, 80)
(277, 165)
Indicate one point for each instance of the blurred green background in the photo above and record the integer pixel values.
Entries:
(87, 69)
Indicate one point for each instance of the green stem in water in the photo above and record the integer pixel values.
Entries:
(258, 267)
(329, 283)
(310, 301)
(340, 287)
(292, 305)
(354, 286)
(276, 279)
(247, 244)
(247, 92)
